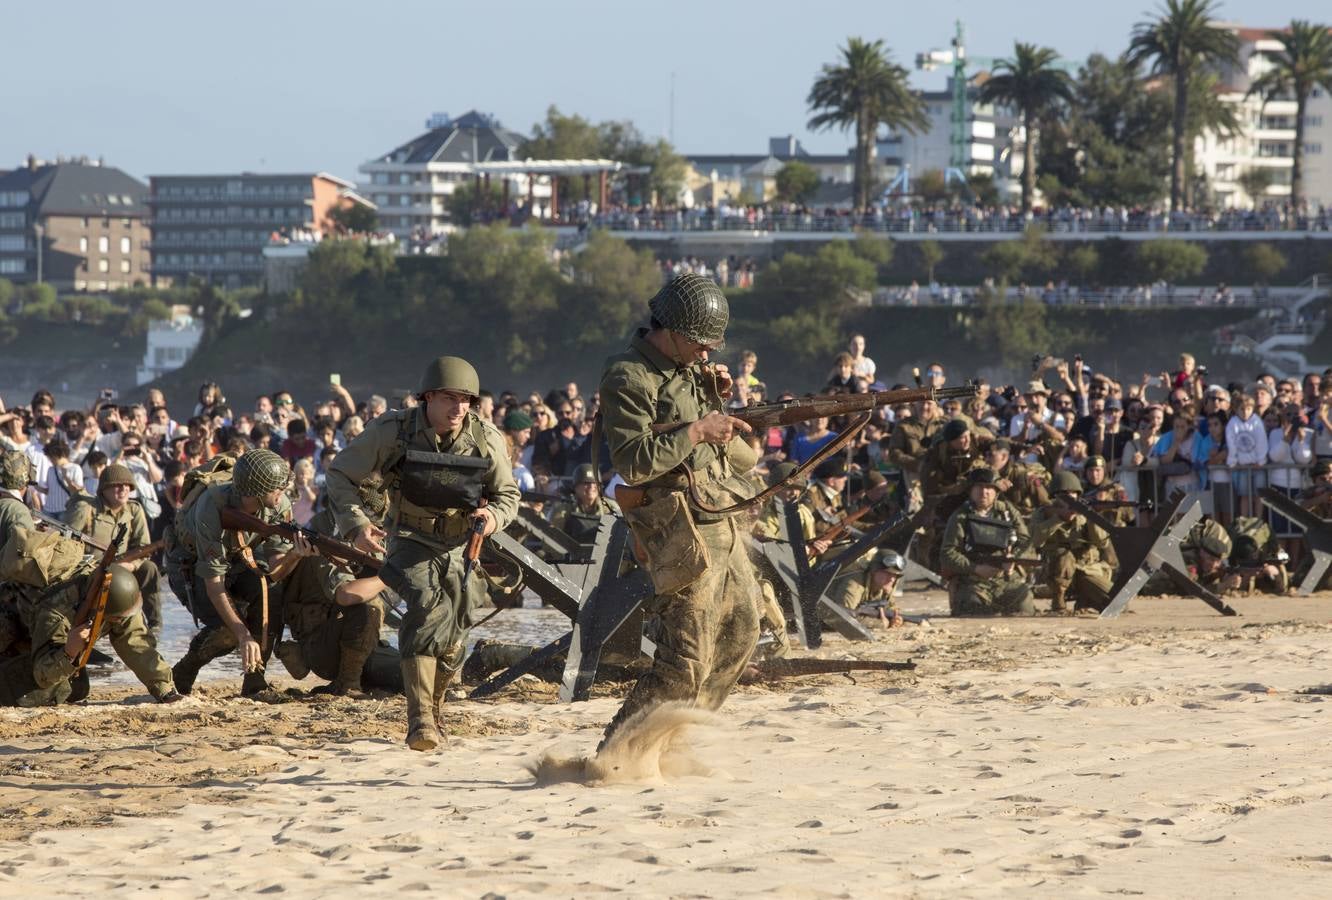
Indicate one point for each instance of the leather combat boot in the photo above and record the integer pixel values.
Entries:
(350, 663)
(418, 682)
(444, 676)
(1057, 602)
(210, 643)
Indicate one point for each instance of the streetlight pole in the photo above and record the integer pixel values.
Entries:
(40, 232)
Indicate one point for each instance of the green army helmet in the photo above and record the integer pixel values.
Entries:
(450, 373)
(115, 474)
(259, 472)
(123, 598)
(694, 308)
(15, 470)
(585, 474)
(1066, 482)
(782, 471)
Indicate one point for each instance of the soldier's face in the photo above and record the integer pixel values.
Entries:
(116, 495)
(447, 409)
(587, 493)
(1095, 474)
(272, 498)
(884, 580)
(998, 459)
(983, 495)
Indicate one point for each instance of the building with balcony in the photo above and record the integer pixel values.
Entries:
(1262, 155)
(717, 177)
(411, 184)
(216, 227)
(76, 224)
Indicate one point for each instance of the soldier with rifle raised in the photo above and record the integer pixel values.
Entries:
(1080, 560)
(1105, 496)
(216, 571)
(101, 515)
(983, 528)
(450, 484)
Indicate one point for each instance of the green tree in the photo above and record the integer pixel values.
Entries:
(1170, 260)
(873, 248)
(354, 218)
(504, 279)
(608, 292)
(1032, 256)
(863, 91)
(929, 254)
(1082, 262)
(982, 190)
(822, 281)
(1031, 84)
(796, 182)
(468, 206)
(1264, 261)
(1182, 43)
(1303, 64)
(930, 187)
(1255, 181)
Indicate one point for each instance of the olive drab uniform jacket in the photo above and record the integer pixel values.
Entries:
(1088, 542)
(970, 534)
(434, 482)
(825, 506)
(201, 544)
(581, 524)
(943, 470)
(640, 388)
(769, 521)
(90, 515)
(14, 513)
(1021, 492)
(909, 441)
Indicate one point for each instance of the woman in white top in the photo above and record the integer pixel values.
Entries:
(1290, 450)
(1246, 445)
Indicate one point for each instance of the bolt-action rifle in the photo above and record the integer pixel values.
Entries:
(234, 519)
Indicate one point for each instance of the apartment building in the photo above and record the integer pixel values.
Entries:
(74, 223)
(215, 227)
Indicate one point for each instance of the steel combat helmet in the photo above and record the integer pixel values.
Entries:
(450, 373)
(694, 308)
(259, 472)
(123, 598)
(15, 470)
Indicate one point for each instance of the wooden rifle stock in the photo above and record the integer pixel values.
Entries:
(93, 608)
(842, 527)
(234, 519)
(474, 542)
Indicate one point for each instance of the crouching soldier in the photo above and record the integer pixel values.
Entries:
(216, 573)
(581, 518)
(50, 674)
(335, 633)
(1080, 561)
(984, 528)
(100, 517)
(870, 592)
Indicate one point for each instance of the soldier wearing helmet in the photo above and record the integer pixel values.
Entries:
(662, 408)
(1080, 560)
(224, 575)
(985, 526)
(439, 460)
(102, 515)
(581, 517)
(15, 473)
(866, 587)
(49, 674)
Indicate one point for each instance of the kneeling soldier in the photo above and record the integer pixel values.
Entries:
(1080, 561)
(213, 570)
(48, 675)
(985, 526)
(99, 517)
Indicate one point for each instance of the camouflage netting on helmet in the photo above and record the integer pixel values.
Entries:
(14, 470)
(259, 472)
(693, 307)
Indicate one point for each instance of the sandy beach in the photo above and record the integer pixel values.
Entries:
(1172, 752)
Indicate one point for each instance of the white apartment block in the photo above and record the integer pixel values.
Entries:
(1267, 139)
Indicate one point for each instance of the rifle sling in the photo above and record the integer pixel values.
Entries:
(843, 438)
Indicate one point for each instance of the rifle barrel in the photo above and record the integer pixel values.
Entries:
(790, 412)
(235, 519)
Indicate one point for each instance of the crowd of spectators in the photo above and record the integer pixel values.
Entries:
(1174, 431)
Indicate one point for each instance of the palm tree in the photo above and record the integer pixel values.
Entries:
(1303, 63)
(1031, 84)
(865, 90)
(1181, 43)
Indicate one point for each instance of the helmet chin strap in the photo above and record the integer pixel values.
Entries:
(675, 346)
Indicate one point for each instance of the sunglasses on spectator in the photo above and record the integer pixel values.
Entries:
(934, 372)
(286, 402)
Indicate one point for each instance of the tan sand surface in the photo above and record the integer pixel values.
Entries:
(1170, 753)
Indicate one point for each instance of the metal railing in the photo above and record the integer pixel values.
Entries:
(951, 222)
(1224, 492)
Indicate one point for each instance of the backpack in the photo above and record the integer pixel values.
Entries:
(39, 558)
(197, 480)
(1246, 529)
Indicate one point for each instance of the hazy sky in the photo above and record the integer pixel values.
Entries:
(160, 87)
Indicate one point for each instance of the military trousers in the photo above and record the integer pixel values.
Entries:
(438, 604)
(149, 578)
(353, 628)
(1003, 596)
(1087, 584)
(707, 628)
